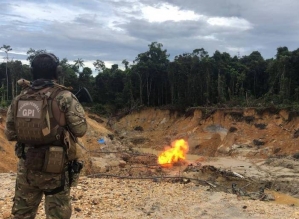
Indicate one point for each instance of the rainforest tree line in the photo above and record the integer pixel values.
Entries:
(190, 80)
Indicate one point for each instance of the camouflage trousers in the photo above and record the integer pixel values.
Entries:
(30, 188)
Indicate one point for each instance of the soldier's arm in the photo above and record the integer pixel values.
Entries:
(10, 131)
(74, 113)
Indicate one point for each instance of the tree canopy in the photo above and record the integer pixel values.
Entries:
(189, 80)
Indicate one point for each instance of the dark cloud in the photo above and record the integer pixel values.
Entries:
(166, 30)
(113, 30)
(275, 23)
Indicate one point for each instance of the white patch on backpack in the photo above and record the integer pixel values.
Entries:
(29, 109)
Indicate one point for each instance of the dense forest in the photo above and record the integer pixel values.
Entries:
(191, 80)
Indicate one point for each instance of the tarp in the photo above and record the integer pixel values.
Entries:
(101, 141)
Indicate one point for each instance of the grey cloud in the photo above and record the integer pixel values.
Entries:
(208, 8)
(168, 29)
(275, 23)
(86, 19)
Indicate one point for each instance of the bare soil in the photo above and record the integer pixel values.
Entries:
(241, 164)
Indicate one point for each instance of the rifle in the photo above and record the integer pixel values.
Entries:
(82, 95)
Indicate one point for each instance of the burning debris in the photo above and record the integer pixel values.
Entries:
(174, 154)
(147, 166)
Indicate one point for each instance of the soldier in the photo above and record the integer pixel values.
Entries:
(45, 120)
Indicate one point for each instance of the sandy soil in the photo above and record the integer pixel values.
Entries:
(115, 198)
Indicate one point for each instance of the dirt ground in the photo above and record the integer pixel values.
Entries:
(240, 164)
(134, 199)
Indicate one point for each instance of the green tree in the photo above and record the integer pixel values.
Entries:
(78, 63)
(125, 63)
(283, 58)
(222, 61)
(180, 79)
(85, 77)
(99, 65)
(16, 69)
(71, 79)
(64, 68)
(207, 65)
(26, 72)
(6, 49)
(151, 67)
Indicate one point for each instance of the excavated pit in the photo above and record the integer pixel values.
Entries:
(250, 152)
(244, 178)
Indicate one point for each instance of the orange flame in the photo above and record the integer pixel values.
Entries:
(175, 153)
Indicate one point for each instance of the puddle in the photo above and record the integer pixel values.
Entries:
(284, 199)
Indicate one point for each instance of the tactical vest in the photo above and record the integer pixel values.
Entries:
(36, 119)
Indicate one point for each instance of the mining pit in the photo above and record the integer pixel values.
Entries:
(252, 153)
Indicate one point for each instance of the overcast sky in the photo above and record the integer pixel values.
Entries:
(114, 30)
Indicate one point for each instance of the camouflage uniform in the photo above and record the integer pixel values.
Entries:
(31, 185)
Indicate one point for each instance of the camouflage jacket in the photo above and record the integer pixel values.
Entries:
(69, 106)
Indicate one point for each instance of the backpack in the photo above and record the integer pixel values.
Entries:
(34, 120)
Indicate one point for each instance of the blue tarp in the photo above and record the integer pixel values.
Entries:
(101, 141)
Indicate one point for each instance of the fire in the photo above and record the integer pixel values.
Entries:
(175, 153)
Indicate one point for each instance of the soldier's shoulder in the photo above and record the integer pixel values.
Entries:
(65, 94)
(65, 98)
